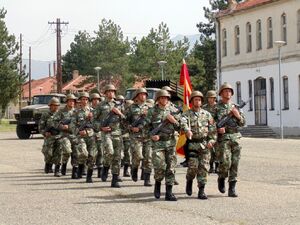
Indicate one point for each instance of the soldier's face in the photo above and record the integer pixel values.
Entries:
(163, 101)
(84, 101)
(95, 101)
(142, 97)
(197, 102)
(226, 93)
(110, 94)
(54, 108)
(211, 101)
(71, 103)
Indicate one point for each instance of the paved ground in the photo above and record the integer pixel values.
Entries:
(269, 191)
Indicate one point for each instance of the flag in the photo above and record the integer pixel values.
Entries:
(187, 90)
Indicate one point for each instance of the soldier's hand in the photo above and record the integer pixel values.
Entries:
(209, 145)
(221, 130)
(236, 113)
(47, 134)
(65, 127)
(189, 134)
(155, 138)
(171, 118)
(82, 133)
(135, 129)
(106, 129)
(90, 115)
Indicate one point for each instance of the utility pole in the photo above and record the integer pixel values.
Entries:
(49, 70)
(21, 71)
(29, 74)
(58, 53)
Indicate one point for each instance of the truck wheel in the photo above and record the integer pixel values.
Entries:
(23, 132)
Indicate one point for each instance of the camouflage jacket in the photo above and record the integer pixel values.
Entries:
(80, 121)
(211, 109)
(49, 123)
(231, 128)
(201, 124)
(102, 114)
(134, 113)
(65, 116)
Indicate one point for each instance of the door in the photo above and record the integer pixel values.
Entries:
(260, 101)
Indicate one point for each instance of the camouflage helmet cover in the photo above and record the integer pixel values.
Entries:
(109, 87)
(162, 93)
(84, 94)
(211, 94)
(196, 94)
(54, 101)
(95, 96)
(226, 86)
(138, 91)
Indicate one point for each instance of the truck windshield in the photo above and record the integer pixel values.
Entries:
(44, 100)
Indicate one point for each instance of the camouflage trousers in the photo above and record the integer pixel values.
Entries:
(68, 144)
(213, 156)
(112, 146)
(198, 163)
(164, 160)
(229, 154)
(99, 151)
(141, 151)
(52, 150)
(86, 151)
(126, 153)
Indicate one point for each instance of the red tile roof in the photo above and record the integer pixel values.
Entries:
(78, 84)
(41, 86)
(248, 4)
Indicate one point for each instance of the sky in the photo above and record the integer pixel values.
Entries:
(135, 17)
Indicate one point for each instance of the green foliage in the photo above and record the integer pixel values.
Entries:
(10, 80)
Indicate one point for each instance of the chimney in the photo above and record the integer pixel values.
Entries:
(75, 74)
(232, 4)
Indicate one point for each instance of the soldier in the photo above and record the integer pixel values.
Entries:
(140, 141)
(48, 128)
(228, 140)
(200, 129)
(164, 160)
(211, 108)
(68, 142)
(108, 116)
(82, 125)
(95, 100)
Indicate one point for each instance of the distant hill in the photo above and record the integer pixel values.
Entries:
(39, 68)
(192, 39)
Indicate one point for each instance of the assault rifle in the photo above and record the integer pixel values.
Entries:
(52, 130)
(138, 121)
(226, 119)
(86, 125)
(111, 117)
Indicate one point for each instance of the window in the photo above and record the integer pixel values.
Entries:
(269, 33)
(285, 92)
(283, 28)
(258, 35)
(224, 36)
(250, 95)
(238, 93)
(271, 94)
(249, 37)
(298, 26)
(237, 39)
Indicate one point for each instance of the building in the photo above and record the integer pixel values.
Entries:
(248, 58)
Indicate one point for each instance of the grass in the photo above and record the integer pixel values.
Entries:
(6, 127)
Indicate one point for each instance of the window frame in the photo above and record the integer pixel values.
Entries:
(269, 33)
(249, 37)
(258, 35)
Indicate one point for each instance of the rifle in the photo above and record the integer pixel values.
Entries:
(52, 130)
(138, 121)
(228, 117)
(86, 125)
(65, 121)
(111, 117)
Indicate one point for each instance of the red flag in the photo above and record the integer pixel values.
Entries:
(187, 90)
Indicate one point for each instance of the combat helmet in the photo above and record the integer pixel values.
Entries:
(71, 97)
(109, 87)
(120, 97)
(54, 101)
(84, 94)
(226, 86)
(138, 91)
(162, 93)
(150, 102)
(95, 96)
(196, 94)
(167, 88)
(211, 94)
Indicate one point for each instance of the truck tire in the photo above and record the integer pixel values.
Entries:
(23, 132)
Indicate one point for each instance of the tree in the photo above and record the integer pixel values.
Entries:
(10, 80)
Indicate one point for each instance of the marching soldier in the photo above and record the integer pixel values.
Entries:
(140, 141)
(228, 139)
(108, 116)
(211, 108)
(200, 129)
(82, 125)
(48, 128)
(165, 119)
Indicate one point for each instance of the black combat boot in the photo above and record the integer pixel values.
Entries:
(104, 174)
(89, 175)
(126, 173)
(211, 168)
(56, 171)
(157, 189)
(80, 170)
(74, 172)
(221, 184)
(114, 181)
(50, 168)
(99, 170)
(216, 167)
(134, 174)
(46, 169)
(169, 194)
(64, 169)
(231, 190)
(142, 174)
(189, 187)
(147, 180)
(201, 193)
